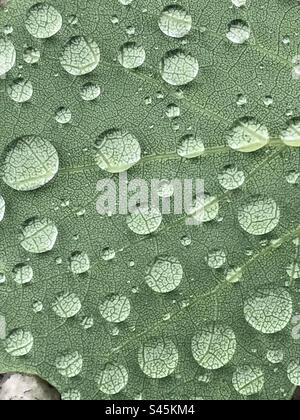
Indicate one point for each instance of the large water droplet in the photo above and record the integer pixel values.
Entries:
(69, 365)
(178, 68)
(269, 310)
(115, 308)
(22, 273)
(291, 135)
(79, 262)
(20, 90)
(164, 274)
(43, 21)
(38, 235)
(19, 343)
(190, 146)
(231, 177)
(238, 32)
(80, 56)
(117, 151)
(7, 55)
(131, 55)
(30, 163)
(175, 21)
(90, 91)
(66, 305)
(275, 356)
(259, 216)
(2, 208)
(214, 346)
(112, 378)
(158, 357)
(293, 372)
(144, 221)
(247, 135)
(248, 380)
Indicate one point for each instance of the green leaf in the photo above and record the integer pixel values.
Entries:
(146, 306)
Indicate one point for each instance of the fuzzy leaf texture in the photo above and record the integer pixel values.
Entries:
(150, 307)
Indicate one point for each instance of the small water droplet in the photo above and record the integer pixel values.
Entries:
(7, 56)
(164, 274)
(22, 273)
(69, 365)
(239, 32)
(19, 343)
(115, 308)
(31, 55)
(79, 262)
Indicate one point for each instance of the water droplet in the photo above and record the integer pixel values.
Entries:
(43, 21)
(268, 101)
(117, 151)
(291, 135)
(144, 221)
(66, 305)
(37, 306)
(239, 32)
(164, 274)
(211, 208)
(131, 55)
(20, 90)
(231, 177)
(178, 68)
(186, 240)
(22, 273)
(259, 216)
(8, 30)
(125, 2)
(71, 395)
(165, 188)
(7, 56)
(216, 259)
(173, 111)
(30, 163)
(214, 346)
(293, 372)
(158, 357)
(190, 146)
(247, 135)
(175, 21)
(38, 235)
(112, 378)
(2, 208)
(269, 310)
(63, 115)
(80, 56)
(275, 356)
(90, 91)
(73, 20)
(115, 308)
(293, 177)
(234, 275)
(19, 343)
(108, 254)
(293, 270)
(239, 3)
(79, 262)
(241, 100)
(69, 365)
(2, 277)
(86, 322)
(248, 380)
(31, 55)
